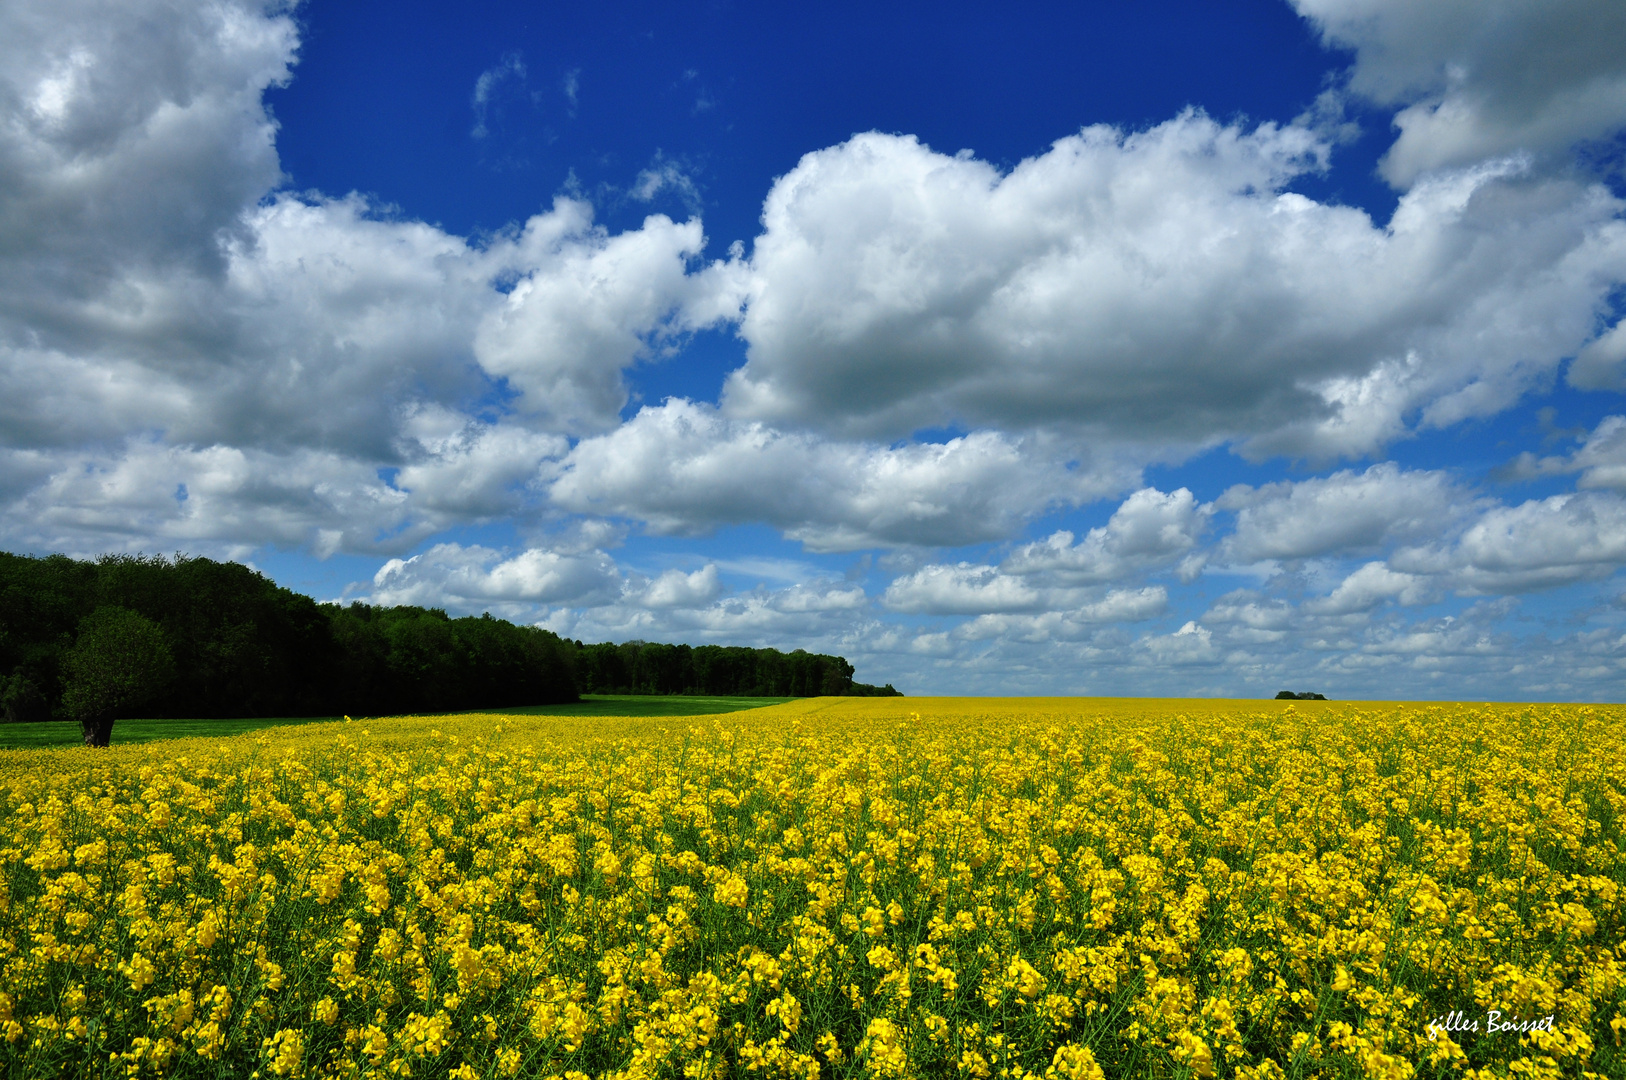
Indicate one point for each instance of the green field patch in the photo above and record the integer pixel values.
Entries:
(646, 705)
(65, 733)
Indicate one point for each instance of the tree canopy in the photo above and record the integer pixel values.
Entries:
(119, 662)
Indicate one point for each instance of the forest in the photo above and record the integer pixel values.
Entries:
(189, 637)
(646, 667)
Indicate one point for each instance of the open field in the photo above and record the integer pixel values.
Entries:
(829, 887)
(29, 736)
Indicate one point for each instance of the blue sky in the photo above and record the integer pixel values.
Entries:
(1163, 348)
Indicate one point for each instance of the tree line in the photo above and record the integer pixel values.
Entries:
(189, 637)
(645, 667)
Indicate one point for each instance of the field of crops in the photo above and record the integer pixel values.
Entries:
(829, 888)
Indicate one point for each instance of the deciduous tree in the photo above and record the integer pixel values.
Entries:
(119, 662)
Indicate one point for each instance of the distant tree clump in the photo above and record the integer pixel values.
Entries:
(1302, 695)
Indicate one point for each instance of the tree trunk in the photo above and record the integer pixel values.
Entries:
(98, 731)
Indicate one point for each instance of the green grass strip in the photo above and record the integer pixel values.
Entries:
(61, 733)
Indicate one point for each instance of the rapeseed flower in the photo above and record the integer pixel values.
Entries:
(830, 889)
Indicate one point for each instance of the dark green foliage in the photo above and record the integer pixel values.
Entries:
(643, 667)
(23, 702)
(41, 603)
(1303, 695)
(119, 662)
(241, 646)
(247, 647)
(412, 659)
(859, 689)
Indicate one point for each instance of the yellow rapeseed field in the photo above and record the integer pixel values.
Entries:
(829, 888)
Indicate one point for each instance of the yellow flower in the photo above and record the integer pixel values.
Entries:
(1074, 1062)
(285, 1052)
(731, 891)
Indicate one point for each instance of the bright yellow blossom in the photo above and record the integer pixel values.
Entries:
(1039, 888)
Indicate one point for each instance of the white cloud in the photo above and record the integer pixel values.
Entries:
(1191, 644)
(1368, 587)
(684, 468)
(1149, 528)
(1158, 288)
(816, 615)
(161, 306)
(466, 471)
(675, 589)
(1117, 606)
(583, 593)
(1601, 459)
(1482, 78)
(477, 577)
(489, 87)
(143, 494)
(131, 137)
(765, 568)
(1343, 514)
(664, 174)
(223, 499)
(1538, 544)
(1262, 619)
(1602, 364)
(963, 589)
(586, 306)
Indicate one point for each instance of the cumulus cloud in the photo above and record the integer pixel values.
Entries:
(585, 307)
(1159, 286)
(219, 498)
(675, 589)
(478, 577)
(1538, 544)
(684, 468)
(1482, 78)
(1251, 617)
(1117, 606)
(132, 137)
(582, 592)
(1368, 587)
(461, 470)
(1601, 459)
(143, 493)
(1150, 528)
(664, 174)
(1602, 364)
(162, 305)
(1191, 644)
(963, 589)
(1346, 513)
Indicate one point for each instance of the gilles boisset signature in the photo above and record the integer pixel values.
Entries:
(1456, 1023)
